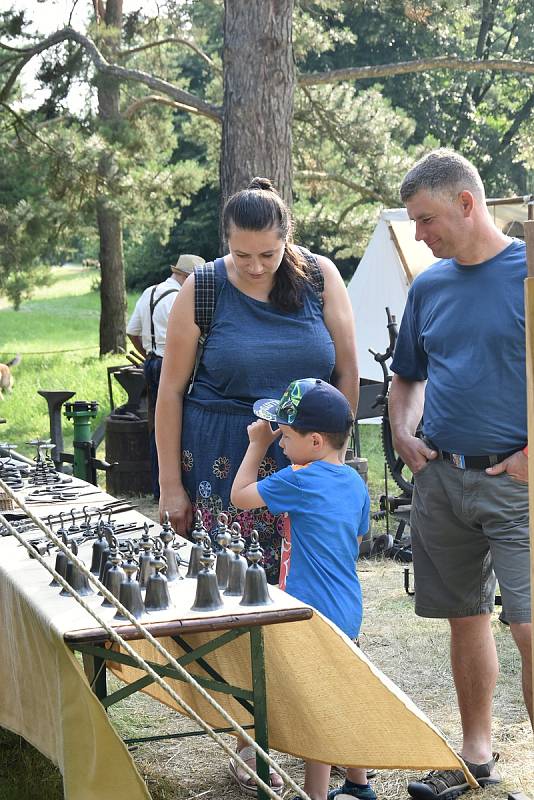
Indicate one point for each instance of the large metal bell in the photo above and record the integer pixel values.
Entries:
(100, 546)
(61, 558)
(130, 591)
(76, 578)
(114, 577)
(238, 564)
(208, 597)
(60, 566)
(198, 533)
(157, 595)
(223, 539)
(256, 591)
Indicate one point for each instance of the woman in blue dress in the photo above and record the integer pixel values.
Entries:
(280, 314)
(271, 324)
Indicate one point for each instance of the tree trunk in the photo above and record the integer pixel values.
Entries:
(259, 83)
(112, 287)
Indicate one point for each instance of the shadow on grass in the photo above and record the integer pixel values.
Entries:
(25, 774)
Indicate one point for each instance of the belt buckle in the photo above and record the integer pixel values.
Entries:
(458, 460)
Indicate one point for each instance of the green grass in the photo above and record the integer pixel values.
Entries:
(56, 334)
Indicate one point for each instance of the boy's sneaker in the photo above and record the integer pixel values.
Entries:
(347, 792)
(445, 784)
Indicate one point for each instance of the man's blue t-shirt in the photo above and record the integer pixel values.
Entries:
(463, 328)
(328, 507)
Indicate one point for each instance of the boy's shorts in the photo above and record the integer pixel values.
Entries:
(467, 529)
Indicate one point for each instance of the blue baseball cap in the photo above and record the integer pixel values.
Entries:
(309, 404)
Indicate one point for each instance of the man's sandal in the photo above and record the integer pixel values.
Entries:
(248, 754)
(447, 784)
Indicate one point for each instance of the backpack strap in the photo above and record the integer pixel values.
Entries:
(314, 272)
(153, 304)
(205, 297)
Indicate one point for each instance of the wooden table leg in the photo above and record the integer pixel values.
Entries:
(260, 703)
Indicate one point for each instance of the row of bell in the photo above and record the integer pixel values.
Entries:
(158, 557)
(232, 573)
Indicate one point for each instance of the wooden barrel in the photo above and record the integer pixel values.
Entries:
(127, 443)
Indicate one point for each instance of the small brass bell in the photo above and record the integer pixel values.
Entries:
(169, 554)
(223, 539)
(208, 597)
(157, 595)
(145, 557)
(198, 533)
(256, 589)
(115, 574)
(75, 578)
(238, 564)
(130, 591)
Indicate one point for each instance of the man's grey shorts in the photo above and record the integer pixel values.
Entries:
(467, 528)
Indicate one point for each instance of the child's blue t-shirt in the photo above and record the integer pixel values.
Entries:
(328, 508)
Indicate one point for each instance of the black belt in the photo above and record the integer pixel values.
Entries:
(473, 462)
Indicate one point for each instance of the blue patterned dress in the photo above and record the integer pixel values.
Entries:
(253, 350)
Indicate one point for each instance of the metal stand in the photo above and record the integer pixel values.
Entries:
(253, 700)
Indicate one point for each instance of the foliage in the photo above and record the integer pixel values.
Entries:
(350, 156)
(352, 141)
(481, 114)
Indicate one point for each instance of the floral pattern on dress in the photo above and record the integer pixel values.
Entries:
(187, 460)
(267, 467)
(221, 467)
(254, 519)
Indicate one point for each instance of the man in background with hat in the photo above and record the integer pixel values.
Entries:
(147, 330)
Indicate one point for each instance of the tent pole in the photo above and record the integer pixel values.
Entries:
(529, 320)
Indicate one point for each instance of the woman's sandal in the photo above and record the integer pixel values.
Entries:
(248, 754)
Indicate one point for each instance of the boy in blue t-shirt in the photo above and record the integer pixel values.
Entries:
(328, 507)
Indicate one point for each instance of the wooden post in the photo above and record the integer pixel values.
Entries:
(529, 321)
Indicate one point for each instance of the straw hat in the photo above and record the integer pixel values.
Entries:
(186, 263)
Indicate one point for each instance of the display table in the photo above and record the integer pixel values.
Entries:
(316, 681)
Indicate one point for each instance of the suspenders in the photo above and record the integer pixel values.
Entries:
(153, 304)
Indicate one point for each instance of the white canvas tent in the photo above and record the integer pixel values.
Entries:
(391, 261)
(383, 277)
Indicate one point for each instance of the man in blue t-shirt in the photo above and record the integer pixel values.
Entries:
(328, 508)
(460, 363)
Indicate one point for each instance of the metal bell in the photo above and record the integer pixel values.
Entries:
(198, 533)
(223, 539)
(76, 578)
(157, 595)
(61, 558)
(130, 591)
(106, 566)
(256, 588)
(105, 558)
(169, 554)
(238, 564)
(99, 547)
(145, 557)
(115, 575)
(208, 597)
